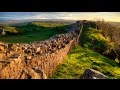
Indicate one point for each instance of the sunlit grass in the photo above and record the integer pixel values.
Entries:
(50, 24)
(35, 31)
(82, 58)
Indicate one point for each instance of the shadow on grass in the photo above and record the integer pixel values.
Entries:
(31, 32)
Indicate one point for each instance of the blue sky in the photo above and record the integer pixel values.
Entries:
(108, 16)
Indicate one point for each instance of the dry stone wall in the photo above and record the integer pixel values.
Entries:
(37, 60)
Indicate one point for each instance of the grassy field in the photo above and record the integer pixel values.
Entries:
(83, 58)
(35, 31)
(28, 37)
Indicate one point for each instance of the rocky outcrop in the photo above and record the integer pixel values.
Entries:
(2, 32)
(92, 74)
(37, 60)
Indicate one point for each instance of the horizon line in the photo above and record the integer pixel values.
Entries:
(55, 19)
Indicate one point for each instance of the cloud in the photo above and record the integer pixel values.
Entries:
(109, 16)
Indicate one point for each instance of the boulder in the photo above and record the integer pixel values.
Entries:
(92, 74)
(33, 73)
(40, 72)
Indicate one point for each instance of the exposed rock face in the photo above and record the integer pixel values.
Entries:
(92, 74)
(19, 61)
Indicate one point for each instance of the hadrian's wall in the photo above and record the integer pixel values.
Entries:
(38, 59)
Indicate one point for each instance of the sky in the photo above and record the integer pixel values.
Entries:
(107, 16)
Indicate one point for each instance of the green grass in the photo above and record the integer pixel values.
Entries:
(95, 40)
(50, 23)
(92, 38)
(28, 37)
(34, 31)
(83, 58)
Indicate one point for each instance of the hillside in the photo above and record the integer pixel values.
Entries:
(97, 51)
(35, 60)
(33, 31)
(81, 59)
(59, 50)
(17, 22)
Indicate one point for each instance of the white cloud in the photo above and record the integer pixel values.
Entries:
(109, 16)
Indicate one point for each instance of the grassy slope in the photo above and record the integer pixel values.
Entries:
(83, 58)
(27, 37)
(93, 39)
(41, 31)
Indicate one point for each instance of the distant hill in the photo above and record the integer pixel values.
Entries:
(10, 22)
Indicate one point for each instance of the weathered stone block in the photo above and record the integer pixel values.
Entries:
(92, 74)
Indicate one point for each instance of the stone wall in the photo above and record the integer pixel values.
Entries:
(36, 60)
